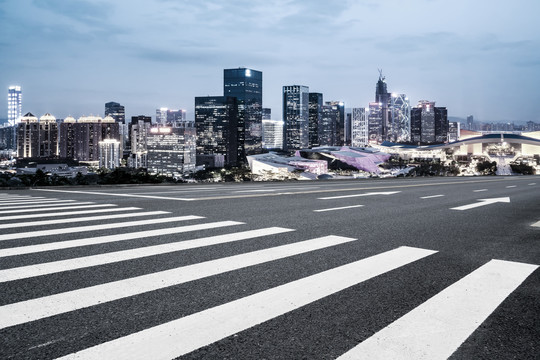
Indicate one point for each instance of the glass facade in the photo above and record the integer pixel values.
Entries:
(399, 129)
(171, 150)
(315, 118)
(296, 117)
(216, 122)
(246, 86)
(14, 105)
(359, 124)
(375, 122)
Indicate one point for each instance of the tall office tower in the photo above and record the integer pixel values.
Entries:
(441, 125)
(246, 86)
(161, 116)
(423, 123)
(171, 149)
(28, 136)
(272, 134)
(66, 145)
(315, 118)
(399, 129)
(328, 125)
(360, 128)
(48, 136)
(116, 111)
(348, 128)
(375, 123)
(14, 105)
(295, 117)
(338, 108)
(383, 98)
(138, 135)
(470, 122)
(267, 114)
(216, 123)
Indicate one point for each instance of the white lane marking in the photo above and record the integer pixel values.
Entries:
(436, 328)
(357, 195)
(511, 186)
(24, 200)
(29, 234)
(531, 184)
(58, 207)
(43, 203)
(482, 202)
(24, 272)
(80, 219)
(29, 249)
(31, 310)
(116, 194)
(179, 337)
(248, 191)
(66, 213)
(480, 190)
(339, 208)
(431, 196)
(536, 224)
(211, 189)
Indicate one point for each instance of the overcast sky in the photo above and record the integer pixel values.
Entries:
(479, 57)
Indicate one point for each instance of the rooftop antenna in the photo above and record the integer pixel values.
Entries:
(381, 77)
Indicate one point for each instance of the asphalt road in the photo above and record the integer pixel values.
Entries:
(390, 268)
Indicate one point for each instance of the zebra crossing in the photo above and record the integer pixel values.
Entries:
(432, 330)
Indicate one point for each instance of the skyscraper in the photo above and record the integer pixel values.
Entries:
(399, 129)
(171, 149)
(429, 124)
(267, 114)
(48, 136)
(328, 125)
(359, 124)
(296, 117)
(138, 130)
(246, 86)
(116, 111)
(14, 105)
(375, 122)
(315, 118)
(383, 98)
(216, 124)
(28, 136)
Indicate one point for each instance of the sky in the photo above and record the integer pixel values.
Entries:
(479, 58)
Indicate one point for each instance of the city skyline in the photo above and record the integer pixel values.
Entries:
(71, 58)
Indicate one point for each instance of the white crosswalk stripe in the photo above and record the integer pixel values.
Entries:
(66, 213)
(79, 219)
(71, 230)
(38, 204)
(81, 205)
(189, 333)
(436, 328)
(25, 200)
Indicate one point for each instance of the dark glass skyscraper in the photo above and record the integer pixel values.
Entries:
(116, 111)
(246, 86)
(296, 117)
(429, 124)
(216, 124)
(315, 118)
(383, 98)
